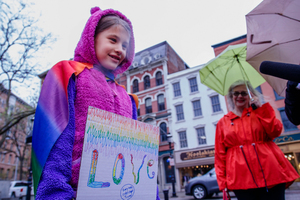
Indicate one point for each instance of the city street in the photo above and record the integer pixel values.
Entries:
(290, 194)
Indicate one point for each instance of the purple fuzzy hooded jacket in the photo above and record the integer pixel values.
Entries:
(60, 175)
(85, 50)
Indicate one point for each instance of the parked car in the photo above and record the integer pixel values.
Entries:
(203, 186)
(18, 189)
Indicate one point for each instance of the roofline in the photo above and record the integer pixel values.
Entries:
(152, 47)
(229, 41)
(3, 89)
(161, 44)
(42, 75)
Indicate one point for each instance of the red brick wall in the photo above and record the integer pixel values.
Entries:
(219, 49)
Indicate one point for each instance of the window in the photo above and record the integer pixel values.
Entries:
(201, 135)
(7, 173)
(259, 90)
(158, 78)
(179, 112)
(160, 102)
(288, 126)
(193, 84)
(135, 86)
(3, 102)
(9, 159)
(277, 97)
(197, 108)
(176, 88)
(8, 133)
(163, 131)
(182, 139)
(21, 137)
(148, 105)
(3, 158)
(215, 103)
(146, 82)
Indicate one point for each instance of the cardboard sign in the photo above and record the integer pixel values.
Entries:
(119, 158)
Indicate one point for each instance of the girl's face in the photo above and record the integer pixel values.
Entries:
(111, 46)
(240, 97)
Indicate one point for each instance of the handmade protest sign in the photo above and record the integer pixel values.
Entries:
(119, 158)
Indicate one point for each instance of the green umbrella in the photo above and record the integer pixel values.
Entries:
(229, 67)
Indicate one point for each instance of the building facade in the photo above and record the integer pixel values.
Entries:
(14, 152)
(195, 110)
(147, 78)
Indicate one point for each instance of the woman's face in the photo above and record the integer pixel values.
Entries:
(240, 97)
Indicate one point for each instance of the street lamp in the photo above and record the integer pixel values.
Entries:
(28, 141)
(169, 138)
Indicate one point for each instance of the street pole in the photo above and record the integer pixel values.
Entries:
(28, 194)
(169, 136)
(28, 141)
(16, 170)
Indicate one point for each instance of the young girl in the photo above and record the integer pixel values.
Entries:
(105, 49)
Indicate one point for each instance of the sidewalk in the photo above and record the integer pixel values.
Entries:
(292, 193)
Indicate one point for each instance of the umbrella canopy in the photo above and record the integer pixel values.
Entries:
(229, 67)
(273, 29)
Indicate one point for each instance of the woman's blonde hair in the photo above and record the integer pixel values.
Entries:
(239, 83)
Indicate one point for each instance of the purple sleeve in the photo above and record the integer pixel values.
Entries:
(56, 175)
(157, 194)
(134, 110)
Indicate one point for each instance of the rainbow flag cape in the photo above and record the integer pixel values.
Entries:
(52, 114)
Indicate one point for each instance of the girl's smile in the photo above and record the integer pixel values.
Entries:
(111, 46)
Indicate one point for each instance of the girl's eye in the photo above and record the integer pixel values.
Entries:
(113, 39)
(124, 46)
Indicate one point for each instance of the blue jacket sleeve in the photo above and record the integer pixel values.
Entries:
(292, 102)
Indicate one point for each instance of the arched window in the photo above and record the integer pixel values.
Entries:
(158, 78)
(148, 103)
(163, 131)
(146, 82)
(161, 102)
(135, 86)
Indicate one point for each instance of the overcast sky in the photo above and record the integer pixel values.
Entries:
(189, 26)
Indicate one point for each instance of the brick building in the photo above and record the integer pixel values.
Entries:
(147, 78)
(9, 154)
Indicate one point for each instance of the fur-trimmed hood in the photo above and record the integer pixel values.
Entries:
(85, 50)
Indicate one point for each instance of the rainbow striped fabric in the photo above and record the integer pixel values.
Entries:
(52, 115)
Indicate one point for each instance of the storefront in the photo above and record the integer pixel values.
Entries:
(290, 146)
(193, 162)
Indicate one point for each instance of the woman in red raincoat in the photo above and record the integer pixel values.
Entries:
(247, 160)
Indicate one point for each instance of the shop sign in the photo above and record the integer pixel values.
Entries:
(171, 160)
(197, 154)
(287, 138)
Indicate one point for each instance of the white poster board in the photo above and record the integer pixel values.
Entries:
(119, 158)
